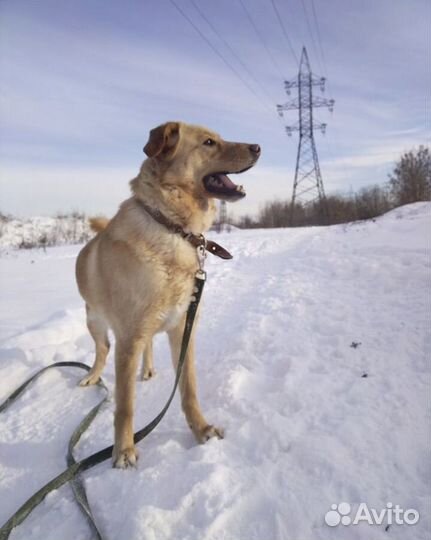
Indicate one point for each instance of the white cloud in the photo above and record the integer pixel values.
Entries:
(45, 191)
(77, 98)
(102, 84)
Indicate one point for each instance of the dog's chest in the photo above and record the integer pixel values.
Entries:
(175, 309)
(172, 317)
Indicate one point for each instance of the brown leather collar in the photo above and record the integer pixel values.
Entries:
(194, 239)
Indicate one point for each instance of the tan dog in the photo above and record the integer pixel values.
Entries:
(136, 276)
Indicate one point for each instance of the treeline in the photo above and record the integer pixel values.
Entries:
(409, 182)
(43, 232)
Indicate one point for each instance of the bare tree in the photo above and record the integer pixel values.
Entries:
(410, 181)
(371, 202)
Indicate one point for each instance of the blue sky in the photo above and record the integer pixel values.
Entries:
(83, 82)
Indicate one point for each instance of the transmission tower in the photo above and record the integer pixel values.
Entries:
(308, 184)
(222, 216)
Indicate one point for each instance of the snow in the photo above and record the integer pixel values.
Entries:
(310, 419)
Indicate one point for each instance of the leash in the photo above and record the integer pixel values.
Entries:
(76, 482)
(75, 468)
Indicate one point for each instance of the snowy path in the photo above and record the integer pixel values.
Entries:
(304, 427)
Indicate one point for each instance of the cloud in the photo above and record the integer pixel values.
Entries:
(46, 191)
(73, 79)
(81, 89)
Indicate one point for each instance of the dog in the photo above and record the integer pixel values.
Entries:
(136, 275)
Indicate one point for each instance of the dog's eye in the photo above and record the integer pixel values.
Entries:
(209, 142)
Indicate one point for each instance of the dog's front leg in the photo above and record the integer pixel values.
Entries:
(189, 401)
(127, 354)
(148, 370)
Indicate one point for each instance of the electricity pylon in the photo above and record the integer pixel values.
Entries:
(308, 184)
(222, 216)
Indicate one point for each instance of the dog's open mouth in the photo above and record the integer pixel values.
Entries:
(221, 186)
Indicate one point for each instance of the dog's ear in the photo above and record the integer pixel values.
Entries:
(163, 139)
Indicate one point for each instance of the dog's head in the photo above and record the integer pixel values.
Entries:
(199, 160)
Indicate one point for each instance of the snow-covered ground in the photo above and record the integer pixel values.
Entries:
(310, 419)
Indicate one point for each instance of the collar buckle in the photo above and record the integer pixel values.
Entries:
(201, 251)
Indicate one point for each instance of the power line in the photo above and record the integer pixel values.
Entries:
(322, 53)
(259, 35)
(319, 36)
(286, 35)
(226, 44)
(215, 50)
(325, 72)
(310, 31)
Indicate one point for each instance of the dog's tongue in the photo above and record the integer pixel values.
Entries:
(221, 184)
(219, 181)
(226, 181)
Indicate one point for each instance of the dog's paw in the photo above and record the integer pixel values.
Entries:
(208, 432)
(148, 373)
(88, 380)
(125, 458)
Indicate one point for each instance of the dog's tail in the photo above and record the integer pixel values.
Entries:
(98, 224)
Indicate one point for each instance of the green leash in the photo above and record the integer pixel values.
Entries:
(72, 473)
(76, 482)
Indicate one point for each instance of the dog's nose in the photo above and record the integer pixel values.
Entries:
(254, 149)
